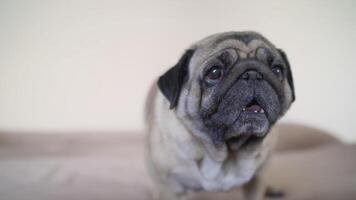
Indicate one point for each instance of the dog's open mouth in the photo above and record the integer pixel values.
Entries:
(252, 118)
(253, 107)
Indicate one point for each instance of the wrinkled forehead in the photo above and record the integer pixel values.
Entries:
(245, 44)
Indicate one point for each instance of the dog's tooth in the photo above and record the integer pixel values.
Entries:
(262, 111)
(243, 109)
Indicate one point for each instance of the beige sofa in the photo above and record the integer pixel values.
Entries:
(309, 164)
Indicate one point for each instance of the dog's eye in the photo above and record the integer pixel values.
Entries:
(278, 71)
(214, 73)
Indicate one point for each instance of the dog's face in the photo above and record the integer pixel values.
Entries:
(230, 88)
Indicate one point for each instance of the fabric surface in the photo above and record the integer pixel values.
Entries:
(78, 166)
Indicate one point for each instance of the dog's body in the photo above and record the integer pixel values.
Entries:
(208, 116)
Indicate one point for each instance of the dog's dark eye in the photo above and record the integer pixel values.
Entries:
(278, 71)
(214, 73)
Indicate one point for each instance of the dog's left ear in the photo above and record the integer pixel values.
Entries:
(289, 72)
(171, 82)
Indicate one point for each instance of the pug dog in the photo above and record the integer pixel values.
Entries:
(210, 117)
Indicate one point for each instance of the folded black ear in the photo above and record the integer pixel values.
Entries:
(170, 83)
(289, 72)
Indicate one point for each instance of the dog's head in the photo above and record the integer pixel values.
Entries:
(230, 88)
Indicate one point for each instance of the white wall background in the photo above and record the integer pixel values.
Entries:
(86, 65)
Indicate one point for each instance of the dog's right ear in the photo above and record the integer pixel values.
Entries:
(171, 82)
(289, 72)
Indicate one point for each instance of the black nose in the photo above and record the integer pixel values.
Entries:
(252, 75)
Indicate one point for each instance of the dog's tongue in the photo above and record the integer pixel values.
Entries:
(254, 108)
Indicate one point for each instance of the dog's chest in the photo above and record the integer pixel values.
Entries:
(213, 176)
